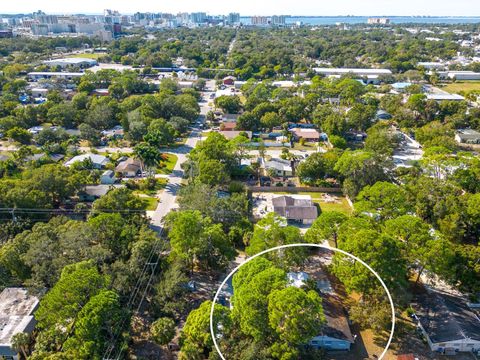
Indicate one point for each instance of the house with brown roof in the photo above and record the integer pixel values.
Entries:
(406, 357)
(307, 134)
(129, 168)
(296, 208)
(335, 334)
(229, 80)
(228, 126)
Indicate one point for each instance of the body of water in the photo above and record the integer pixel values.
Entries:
(332, 20)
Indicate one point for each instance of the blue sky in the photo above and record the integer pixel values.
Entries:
(255, 7)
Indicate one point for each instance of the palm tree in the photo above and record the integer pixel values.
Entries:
(21, 343)
(149, 155)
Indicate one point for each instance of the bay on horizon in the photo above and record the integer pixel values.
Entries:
(332, 20)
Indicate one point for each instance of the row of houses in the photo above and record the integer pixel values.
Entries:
(298, 133)
(126, 168)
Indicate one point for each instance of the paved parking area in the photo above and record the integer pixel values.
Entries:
(262, 204)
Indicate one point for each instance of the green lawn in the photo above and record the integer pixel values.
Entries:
(305, 146)
(167, 164)
(88, 55)
(160, 185)
(341, 206)
(151, 202)
(462, 86)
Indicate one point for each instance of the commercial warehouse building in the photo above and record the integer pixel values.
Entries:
(67, 62)
(38, 75)
(459, 75)
(355, 71)
(367, 76)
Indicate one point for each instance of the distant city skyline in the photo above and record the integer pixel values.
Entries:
(254, 7)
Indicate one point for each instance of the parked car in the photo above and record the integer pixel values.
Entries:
(265, 181)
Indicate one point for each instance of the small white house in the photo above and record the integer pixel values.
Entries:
(108, 178)
(467, 136)
(280, 167)
(39, 92)
(448, 324)
(445, 97)
(297, 279)
(98, 161)
(185, 84)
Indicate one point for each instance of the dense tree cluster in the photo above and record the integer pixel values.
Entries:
(269, 319)
(406, 223)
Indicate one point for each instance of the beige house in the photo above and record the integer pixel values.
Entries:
(129, 168)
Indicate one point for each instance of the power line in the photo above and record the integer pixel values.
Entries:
(144, 280)
(61, 210)
(135, 293)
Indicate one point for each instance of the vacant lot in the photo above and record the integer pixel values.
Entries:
(88, 55)
(462, 86)
(167, 163)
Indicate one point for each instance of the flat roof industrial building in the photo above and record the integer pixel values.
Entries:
(355, 71)
(79, 62)
(16, 316)
(37, 75)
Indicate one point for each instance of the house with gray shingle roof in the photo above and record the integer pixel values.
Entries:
(447, 322)
(297, 208)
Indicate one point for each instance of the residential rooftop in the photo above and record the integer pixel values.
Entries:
(16, 312)
(445, 317)
(295, 207)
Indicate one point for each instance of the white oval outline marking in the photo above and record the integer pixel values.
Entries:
(212, 309)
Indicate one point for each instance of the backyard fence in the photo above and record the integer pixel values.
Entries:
(290, 189)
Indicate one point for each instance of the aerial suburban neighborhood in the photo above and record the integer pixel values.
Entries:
(179, 184)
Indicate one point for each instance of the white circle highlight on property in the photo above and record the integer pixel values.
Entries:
(212, 309)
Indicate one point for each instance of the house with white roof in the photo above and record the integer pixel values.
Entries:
(355, 71)
(98, 161)
(366, 76)
(445, 97)
(467, 136)
(17, 309)
(459, 75)
(280, 167)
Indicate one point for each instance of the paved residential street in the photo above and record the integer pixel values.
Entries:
(167, 200)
